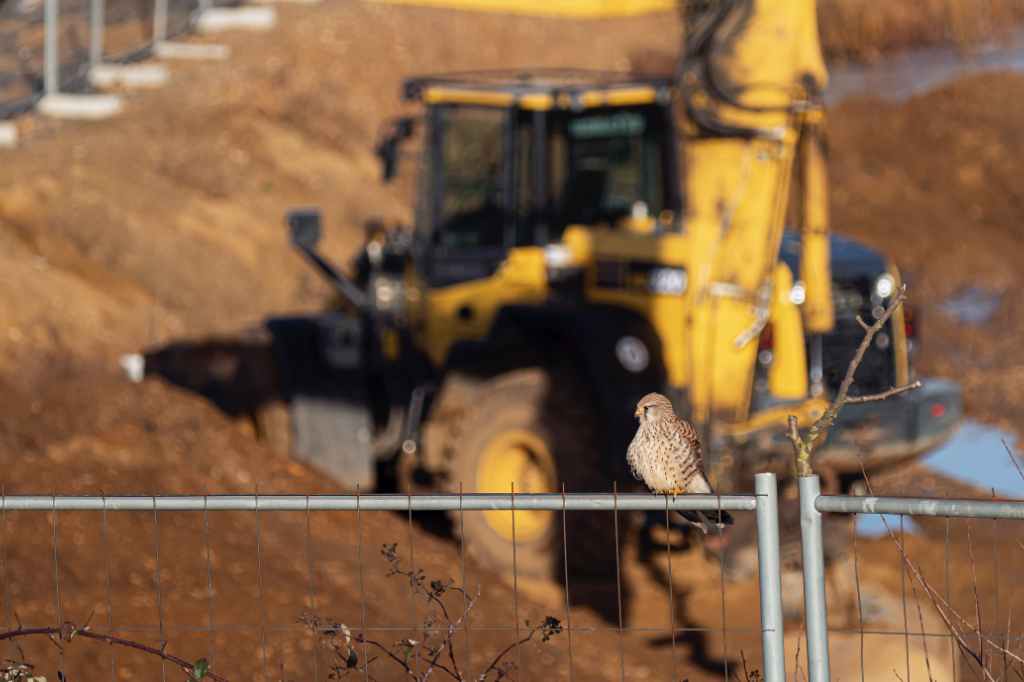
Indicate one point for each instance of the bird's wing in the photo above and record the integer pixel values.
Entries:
(690, 435)
(633, 458)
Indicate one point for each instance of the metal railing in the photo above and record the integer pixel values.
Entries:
(163, 510)
(55, 516)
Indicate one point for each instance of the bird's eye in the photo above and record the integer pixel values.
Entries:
(645, 408)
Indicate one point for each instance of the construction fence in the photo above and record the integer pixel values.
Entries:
(49, 46)
(316, 587)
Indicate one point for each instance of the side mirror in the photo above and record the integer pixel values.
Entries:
(388, 149)
(304, 224)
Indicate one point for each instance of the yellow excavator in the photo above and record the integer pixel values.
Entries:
(585, 238)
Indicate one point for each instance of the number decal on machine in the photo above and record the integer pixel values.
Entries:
(666, 281)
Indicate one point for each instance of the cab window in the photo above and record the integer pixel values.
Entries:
(472, 176)
(603, 163)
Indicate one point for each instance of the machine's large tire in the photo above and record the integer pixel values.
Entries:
(534, 427)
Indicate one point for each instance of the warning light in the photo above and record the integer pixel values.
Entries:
(937, 410)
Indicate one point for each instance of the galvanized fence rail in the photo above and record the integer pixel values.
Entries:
(102, 509)
(162, 510)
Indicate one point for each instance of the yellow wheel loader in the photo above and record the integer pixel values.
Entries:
(585, 238)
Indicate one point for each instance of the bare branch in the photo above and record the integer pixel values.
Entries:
(924, 639)
(796, 669)
(803, 453)
(802, 447)
(874, 329)
(974, 575)
(882, 396)
(933, 594)
(68, 630)
(1013, 459)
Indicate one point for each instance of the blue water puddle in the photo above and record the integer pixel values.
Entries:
(871, 525)
(975, 455)
(972, 306)
(914, 72)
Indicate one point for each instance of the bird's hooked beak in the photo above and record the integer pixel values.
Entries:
(638, 413)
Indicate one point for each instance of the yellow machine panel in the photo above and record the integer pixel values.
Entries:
(591, 9)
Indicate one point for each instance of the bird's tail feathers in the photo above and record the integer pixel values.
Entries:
(694, 520)
(719, 518)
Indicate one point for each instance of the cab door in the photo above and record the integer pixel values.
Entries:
(467, 184)
(473, 204)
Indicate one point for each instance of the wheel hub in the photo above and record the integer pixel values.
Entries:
(520, 457)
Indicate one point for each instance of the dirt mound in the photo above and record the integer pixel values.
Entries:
(85, 432)
(166, 222)
(938, 185)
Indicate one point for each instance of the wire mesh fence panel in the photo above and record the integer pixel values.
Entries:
(305, 588)
(928, 592)
(128, 29)
(21, 55)
(180, 13)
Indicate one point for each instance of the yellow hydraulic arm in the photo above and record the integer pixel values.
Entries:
(752, 76)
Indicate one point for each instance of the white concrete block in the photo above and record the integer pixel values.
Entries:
(171, 50)
(234, 18)
(286, 2)
(28, 6)
(134, 366)
(147, 75)
(80, 106)
(8, 135)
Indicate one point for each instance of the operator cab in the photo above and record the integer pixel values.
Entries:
(513, 159)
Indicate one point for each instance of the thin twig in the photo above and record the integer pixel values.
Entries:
(444, 643)
(494, 663)
(974, 574)
(796, 670)
(882, 396)
(1012, 458)
(69, 630)
(924, 639)
(932, 593)
(405, 665)
(802, 447)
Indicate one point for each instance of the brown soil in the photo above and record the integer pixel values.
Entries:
(938, 185)
(93, 432)
(863, 29)
(166, 224)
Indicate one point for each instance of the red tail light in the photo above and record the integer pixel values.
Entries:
(910, 321)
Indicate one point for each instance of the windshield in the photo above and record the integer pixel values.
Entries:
(472, 176)
(480, 193)
(603, 163)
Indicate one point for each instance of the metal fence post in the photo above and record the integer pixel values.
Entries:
(814, 580)
(51, 64)
(98, 20)
(770, 569)
(159, 21)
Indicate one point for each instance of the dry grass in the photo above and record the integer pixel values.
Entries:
(862, 29)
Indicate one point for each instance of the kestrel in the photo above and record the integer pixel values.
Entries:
(665, 454)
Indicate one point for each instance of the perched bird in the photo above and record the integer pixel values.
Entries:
(665, 454)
